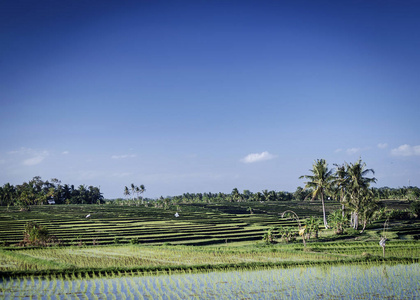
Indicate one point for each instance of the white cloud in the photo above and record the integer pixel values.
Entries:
(65, 152)
(256, 157)
(352, 150)
(35, 160)
(406, 150)
(30, 156)
(123, 156)
(382, 145)
(338, 150)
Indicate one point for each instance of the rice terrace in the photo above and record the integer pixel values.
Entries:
(269, 245)
(209, 150)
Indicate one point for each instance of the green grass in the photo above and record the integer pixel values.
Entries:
(137, 258)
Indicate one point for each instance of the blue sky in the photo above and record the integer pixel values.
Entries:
(206, 96)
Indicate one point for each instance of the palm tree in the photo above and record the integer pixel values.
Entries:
(133, 189)
(236, 196)
(320, 181)
(341, 183)
(258, 196)
(358, 188)
(267, 195)
(369, 209)
(140, 190)
(126, 192)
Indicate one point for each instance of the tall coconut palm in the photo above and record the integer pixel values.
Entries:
(126, 192)
(142, 189)
(358, 188)
(320, 182)
(133, 190)
(341, 182)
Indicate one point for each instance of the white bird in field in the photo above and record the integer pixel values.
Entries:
(88, 216)
(176, 215)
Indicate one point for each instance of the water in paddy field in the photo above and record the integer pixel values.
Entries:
(327, 282)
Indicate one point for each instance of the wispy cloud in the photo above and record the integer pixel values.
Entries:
(35, 160)
(352, 150)
(256, 157)
(31, 157)
(382, 145)
(121, 175)
(65, 152)
(406, 150)
(123, 156)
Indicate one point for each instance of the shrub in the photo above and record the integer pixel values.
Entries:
(270, 236)
(135, 241)
(37, 235)
(287, 234)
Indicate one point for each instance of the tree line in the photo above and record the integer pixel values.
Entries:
(348, 183)
(39, 192)
(300, 194)
(234, 196)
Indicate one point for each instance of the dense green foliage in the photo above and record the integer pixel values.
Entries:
(39, 192)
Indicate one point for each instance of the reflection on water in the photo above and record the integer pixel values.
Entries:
(333, 282)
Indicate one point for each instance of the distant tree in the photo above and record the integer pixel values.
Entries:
(247, 195)
(358, 189)
(284, 196)
(133, 190)
(7, 195)
(341, 183)
(126, 192)
(95, 195)
(236, 196)
(299, 194)
(258, 196)
(320, 181)
(273, 196)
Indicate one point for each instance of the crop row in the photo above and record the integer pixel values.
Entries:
(136, 224)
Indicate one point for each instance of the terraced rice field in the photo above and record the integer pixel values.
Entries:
(118, 224)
